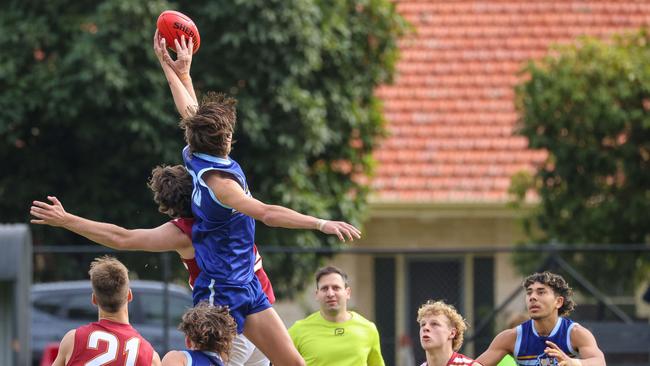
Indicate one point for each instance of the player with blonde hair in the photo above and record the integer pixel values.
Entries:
(442, 330)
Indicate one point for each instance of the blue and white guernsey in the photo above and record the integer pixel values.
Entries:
(529, 346)
(202, 358)
(223, 238)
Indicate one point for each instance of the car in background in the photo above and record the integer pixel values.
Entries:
(58, 307)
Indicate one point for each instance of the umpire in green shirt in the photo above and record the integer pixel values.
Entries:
(334, 335)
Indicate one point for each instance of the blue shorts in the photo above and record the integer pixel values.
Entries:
(242, 300)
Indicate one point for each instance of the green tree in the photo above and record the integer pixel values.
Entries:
(588, 105)
(85, 112)
(82, 113)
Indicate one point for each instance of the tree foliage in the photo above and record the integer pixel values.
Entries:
(85, 112)
(588, 105)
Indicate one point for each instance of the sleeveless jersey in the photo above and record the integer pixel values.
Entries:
(457, 359)
(529, 346)
(109, 343)
(185, 225)
(222, 237)
(202, 358)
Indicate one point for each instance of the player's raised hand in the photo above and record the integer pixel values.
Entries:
(160, 49)
(562, 358)
(184, 51)
(46, 214)
(341, 229)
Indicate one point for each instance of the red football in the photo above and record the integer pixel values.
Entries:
(172, 24)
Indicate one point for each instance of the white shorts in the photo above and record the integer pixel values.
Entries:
(244, 353)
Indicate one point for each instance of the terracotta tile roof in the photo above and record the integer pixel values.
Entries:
(450, 112)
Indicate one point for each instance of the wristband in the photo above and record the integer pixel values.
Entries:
(321, 224)
(185, 77)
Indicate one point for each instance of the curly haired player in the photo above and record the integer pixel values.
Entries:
(209, 333)
(549, 337)
(442, 330)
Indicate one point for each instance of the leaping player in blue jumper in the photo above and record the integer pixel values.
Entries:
(225, 212)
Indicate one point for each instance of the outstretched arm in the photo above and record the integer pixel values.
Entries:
(166, 237)
(502, 345)
(184, 97)
(231, 194)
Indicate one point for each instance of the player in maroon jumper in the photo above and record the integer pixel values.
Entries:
(111, 341)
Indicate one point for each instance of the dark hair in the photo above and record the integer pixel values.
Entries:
(329, 270)
(172, 190)
(210, 328)
(210, 129)
(559, 287)
(110, 282)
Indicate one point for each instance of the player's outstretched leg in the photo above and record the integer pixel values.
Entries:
(266, 330)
